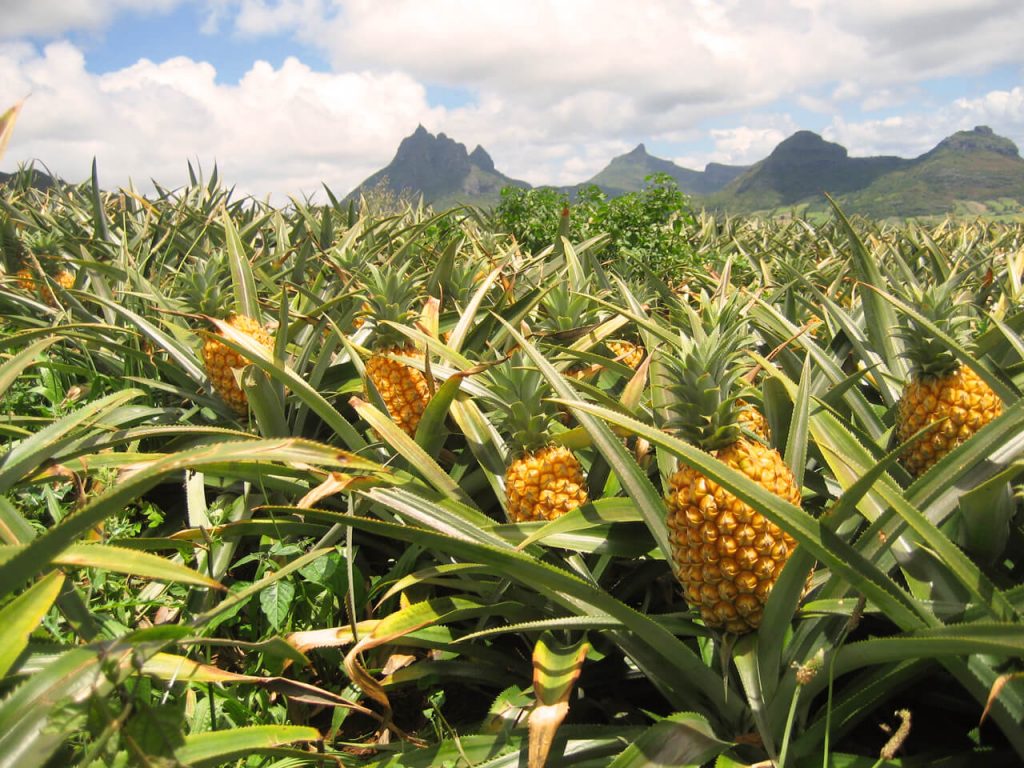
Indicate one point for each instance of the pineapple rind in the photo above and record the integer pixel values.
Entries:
(629, 353)
(220, 361)
(26, 280)
(403, 388)
(958, 404)
(726, 554)
(544, 484)
(753, 421)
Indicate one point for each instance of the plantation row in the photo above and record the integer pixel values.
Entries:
(618, 484)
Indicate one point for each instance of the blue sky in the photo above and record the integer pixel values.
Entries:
(286, 94)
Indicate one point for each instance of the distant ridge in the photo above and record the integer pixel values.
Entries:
(36, 178)
(969, 166)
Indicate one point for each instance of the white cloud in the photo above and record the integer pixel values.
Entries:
(1002, 108)
(659, 52)
(691, 51)
(258, 17)
(913, 134)
(54, 17)
(558, 86)
(282, 130)
(745, 144)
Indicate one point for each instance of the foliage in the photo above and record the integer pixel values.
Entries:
(305, 583)
(646, 231)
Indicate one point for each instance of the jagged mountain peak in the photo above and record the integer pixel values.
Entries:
(970, 165)
(441, 170)
(481, 159)
(628, 172)
(976, 165)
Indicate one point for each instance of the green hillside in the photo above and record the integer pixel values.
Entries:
(801, 169)
(969, 166)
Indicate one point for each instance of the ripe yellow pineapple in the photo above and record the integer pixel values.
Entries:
(205, 290)
(942, 394)
(65, 278)
(221, 361)
(629, 353)
(726, 554)
(26, 280)
(753, 420)
(543, 481)
(403, 389)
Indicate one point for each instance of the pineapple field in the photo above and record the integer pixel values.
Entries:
(615, 485)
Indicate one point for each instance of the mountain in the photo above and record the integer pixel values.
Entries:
(30, 176)
(442, 171)
(970, 172)
(801, 168)
(626, 173)
(975, 165)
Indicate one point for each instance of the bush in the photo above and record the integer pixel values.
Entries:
(648, 229)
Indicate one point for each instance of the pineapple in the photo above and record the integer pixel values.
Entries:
(543, 481)
(403, 389)
(221, 361)
(753, 421)
(726, 554)
(629, 353)
(942, 393)
(26, 280)
(205, 292)
(65, 278)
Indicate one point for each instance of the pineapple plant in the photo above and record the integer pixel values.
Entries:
(726, 554)
(565, 315)
(206, 293)
(543, 481)
(942, 395)
(221, 361)
(403, 389)
(16, 256)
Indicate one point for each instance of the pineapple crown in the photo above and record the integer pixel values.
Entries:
(703, 375)
(518, 389)
(456, 279)
(565, 308)
(45, 242)
(205, 287)
(390, 295)
(949, 310)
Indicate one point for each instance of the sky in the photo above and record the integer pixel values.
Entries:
(286, 95)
